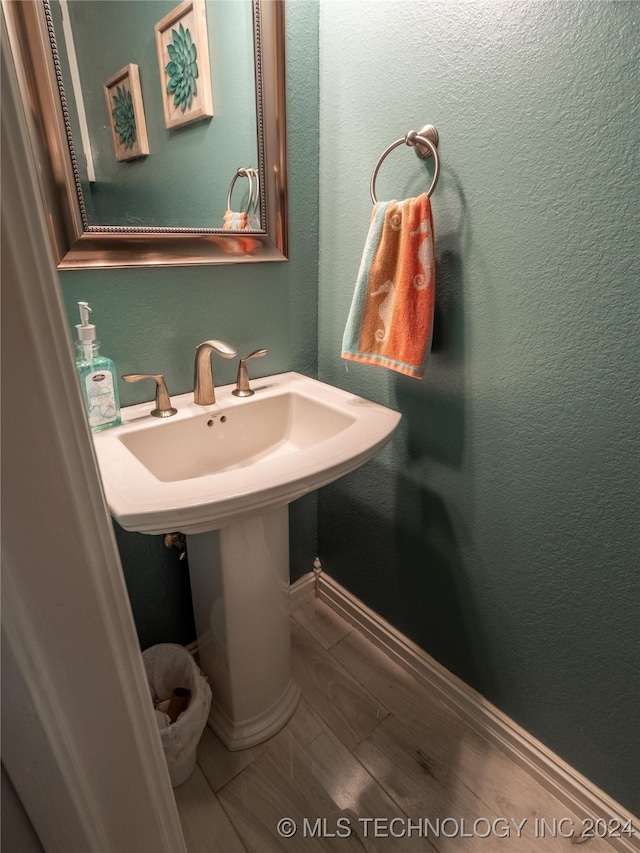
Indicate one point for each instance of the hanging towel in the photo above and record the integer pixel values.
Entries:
(235, 221)
(240, 245)
(391, 318)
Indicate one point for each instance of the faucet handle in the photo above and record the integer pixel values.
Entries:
(163, 408)
(242, 388)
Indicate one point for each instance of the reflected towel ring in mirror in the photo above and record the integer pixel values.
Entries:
(249, 218)
(425, 142)
(253, 207)
(242, 173)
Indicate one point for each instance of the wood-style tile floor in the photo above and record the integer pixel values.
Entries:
(366, 759)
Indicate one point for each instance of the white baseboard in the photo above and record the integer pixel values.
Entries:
(575, 791)
(302, 590)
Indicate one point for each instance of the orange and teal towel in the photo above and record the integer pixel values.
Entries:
(235, 221)
(391, 318)
(240, 245)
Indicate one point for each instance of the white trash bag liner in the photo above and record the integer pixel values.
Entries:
(169, 666)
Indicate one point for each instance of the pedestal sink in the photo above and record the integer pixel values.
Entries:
(224, 475)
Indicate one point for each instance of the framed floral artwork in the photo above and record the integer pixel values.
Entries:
(126, 114)
(183, 59)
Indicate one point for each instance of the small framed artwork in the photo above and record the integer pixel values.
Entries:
(183, 59)
(126, 114)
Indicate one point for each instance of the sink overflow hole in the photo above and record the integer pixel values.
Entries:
(211, 421)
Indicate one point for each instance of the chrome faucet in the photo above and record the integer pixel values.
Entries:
(203, 390)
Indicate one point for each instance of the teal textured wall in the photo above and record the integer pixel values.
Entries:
(500, 528)
(151, 320)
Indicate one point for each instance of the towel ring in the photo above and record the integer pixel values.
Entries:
(253, 205)
(425, 143)
(241, 173)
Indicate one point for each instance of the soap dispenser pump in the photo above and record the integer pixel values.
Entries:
(98, 378)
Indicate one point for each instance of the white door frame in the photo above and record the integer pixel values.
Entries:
(79, 741)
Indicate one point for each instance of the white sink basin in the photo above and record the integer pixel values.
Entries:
(209, 466)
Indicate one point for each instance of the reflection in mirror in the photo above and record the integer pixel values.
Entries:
(184, 180)
(138, 165)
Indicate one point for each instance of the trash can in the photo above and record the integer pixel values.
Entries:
(169, 666)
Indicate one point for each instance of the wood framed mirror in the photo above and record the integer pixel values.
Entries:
(77, 240)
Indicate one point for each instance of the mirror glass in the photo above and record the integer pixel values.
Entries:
(161, 127)
(183, 177)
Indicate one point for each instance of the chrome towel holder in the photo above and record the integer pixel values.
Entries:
(253, 199)
(425, 144)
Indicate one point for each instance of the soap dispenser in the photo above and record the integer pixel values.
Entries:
(97, 376)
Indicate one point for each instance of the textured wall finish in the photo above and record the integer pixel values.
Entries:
(499, 530)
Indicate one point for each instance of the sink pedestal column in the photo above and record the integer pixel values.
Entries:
(240, 591)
